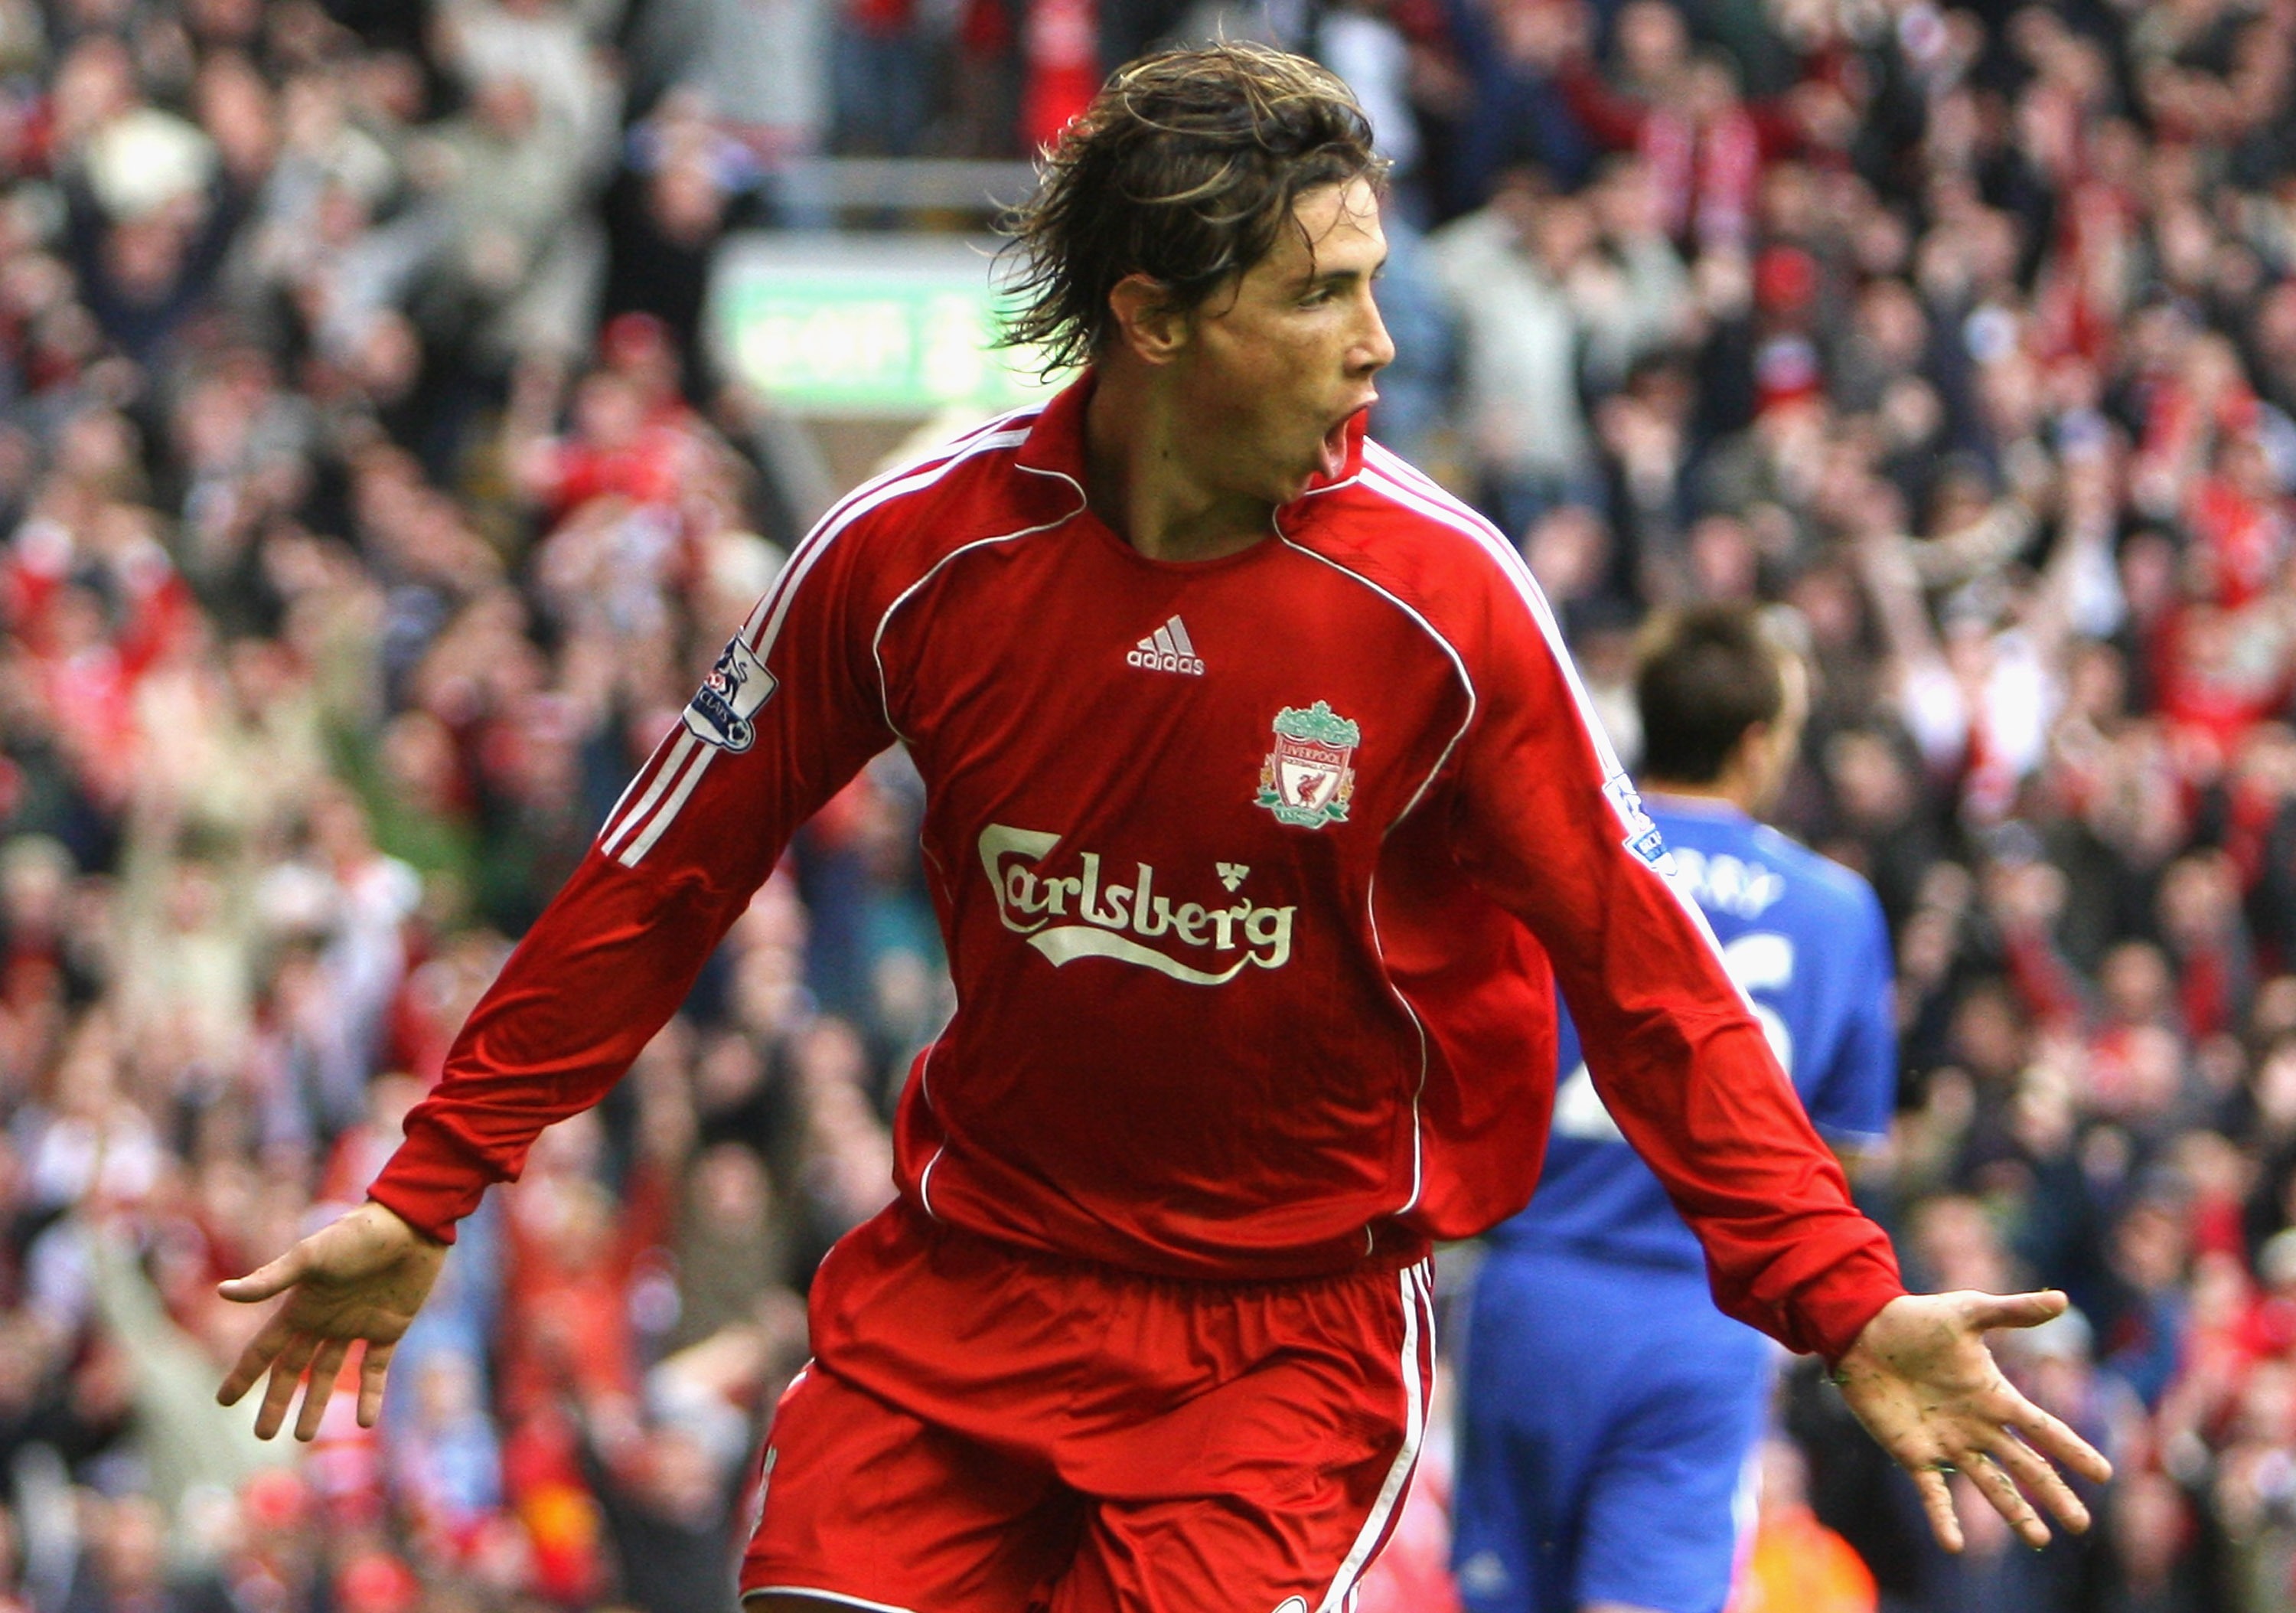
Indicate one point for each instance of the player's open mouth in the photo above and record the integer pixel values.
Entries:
(1331, 456)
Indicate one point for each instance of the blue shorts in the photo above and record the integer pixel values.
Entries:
(1608, 1418)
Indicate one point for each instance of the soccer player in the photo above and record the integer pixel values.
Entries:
(1610, 1411)
(1260, 797)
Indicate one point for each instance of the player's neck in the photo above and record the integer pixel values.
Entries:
(1749, 776)
(1141, 479)
(1725, 791)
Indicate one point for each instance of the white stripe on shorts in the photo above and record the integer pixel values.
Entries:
(1416, 1284)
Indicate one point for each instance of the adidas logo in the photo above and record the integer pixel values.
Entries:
(1168, 650)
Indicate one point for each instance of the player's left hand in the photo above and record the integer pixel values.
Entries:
(1923, 1382)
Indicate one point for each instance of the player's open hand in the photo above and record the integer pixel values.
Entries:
(362, 1277)
(1923, 1382)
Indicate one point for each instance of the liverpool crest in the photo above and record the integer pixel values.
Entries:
(1307, 779)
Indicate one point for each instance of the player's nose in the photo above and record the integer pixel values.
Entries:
(1373, 348)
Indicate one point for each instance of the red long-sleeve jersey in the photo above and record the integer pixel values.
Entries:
(1250, 873)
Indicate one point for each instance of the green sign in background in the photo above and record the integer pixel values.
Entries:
(864, 325)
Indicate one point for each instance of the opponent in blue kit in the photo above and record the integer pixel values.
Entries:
(1610, 1410)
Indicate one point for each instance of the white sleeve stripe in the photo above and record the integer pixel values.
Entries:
(1398, 468)
(1433, 501)
(636, 848)
(1439, 506)
(670, 763)
(842, 512)
(623, 799)
(785, 586)
(773, 610)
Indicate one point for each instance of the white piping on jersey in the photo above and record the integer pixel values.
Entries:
(1405, 485)
(1419, 1088)
(924, 1181)
(1371, 913)
(824, 530)
(763, 626)
(924, 1095)
(877, 639)
(811, 1594)
(885, 705)
(1418, 1302)
(1329, 487)
(1039, 470)
(1458, 665)
(882, 492)
(947, 888)
(951, 451)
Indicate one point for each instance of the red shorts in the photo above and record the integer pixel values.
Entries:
(989, 1430)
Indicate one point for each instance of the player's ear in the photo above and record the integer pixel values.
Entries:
(1148, 322)
(1751, 754)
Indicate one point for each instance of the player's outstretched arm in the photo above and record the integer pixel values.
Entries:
(1923, 1382)
(361, 1277)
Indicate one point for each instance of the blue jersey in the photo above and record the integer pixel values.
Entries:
(1805, 939)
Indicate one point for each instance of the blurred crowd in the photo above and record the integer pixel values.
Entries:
(1965, 339)
(369, 503)
(368, 511)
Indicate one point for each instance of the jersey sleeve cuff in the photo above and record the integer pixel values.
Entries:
(430, 1183)
(1834, 1310)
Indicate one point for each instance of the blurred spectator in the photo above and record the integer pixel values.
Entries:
(124, 1565)
(1539, 310)
(1796, 1562)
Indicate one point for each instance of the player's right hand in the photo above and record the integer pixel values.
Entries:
(362, 1277)
(1922, 1380)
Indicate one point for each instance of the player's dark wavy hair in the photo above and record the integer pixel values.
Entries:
(1184, 167)
(1704, 676)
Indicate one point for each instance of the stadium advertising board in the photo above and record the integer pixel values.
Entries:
(852, 325)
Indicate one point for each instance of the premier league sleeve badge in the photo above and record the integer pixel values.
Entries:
(720, 711)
